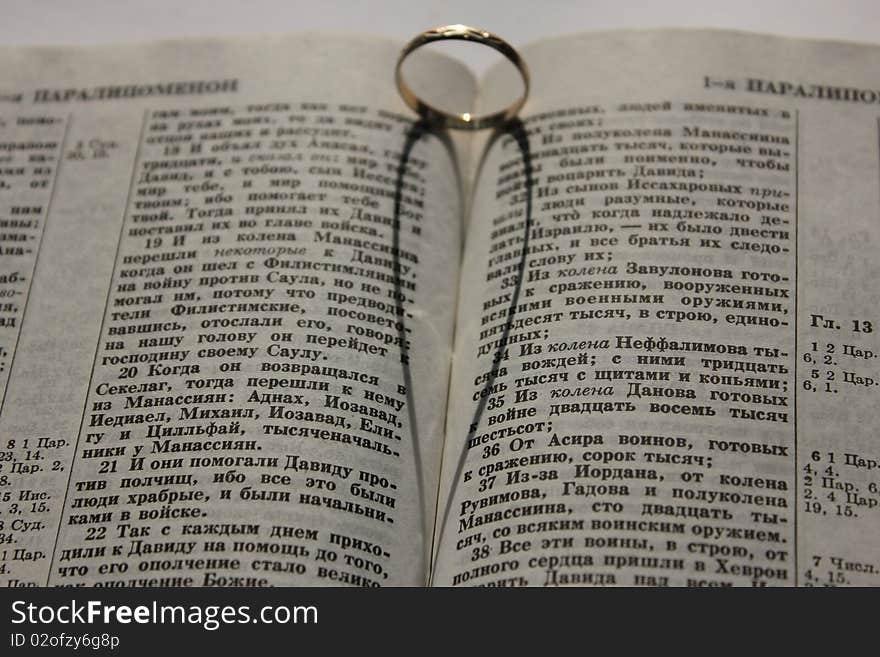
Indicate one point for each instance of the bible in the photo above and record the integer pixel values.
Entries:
(260, 326)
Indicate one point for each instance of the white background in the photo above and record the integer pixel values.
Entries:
(519, 21)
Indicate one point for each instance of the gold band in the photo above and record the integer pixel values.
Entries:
(465, 121)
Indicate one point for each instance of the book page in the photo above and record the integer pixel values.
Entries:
(228, 279)
(666, 364)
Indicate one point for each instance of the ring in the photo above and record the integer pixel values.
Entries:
(464, 121)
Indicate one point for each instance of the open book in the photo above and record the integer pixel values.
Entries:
(258, 326)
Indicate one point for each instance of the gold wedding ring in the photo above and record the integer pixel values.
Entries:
(464, 121)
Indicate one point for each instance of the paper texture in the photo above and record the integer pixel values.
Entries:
(686, 390)
(238, 290)
(209, 304)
